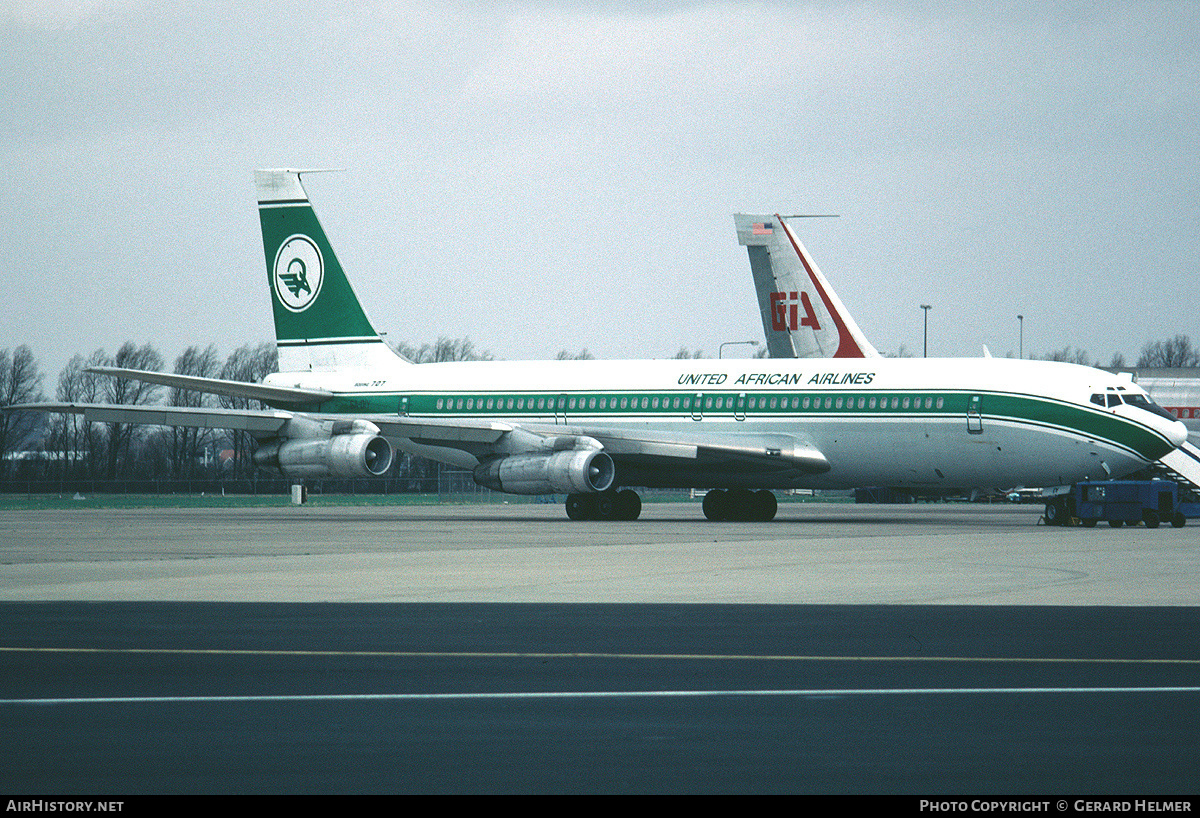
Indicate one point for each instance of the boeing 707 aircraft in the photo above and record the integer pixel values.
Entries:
(596, 430)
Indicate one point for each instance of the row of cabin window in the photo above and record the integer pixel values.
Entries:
(685, 403)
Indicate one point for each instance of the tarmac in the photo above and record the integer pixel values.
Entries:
(811, 554)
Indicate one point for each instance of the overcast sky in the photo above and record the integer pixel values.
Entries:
(541, 176)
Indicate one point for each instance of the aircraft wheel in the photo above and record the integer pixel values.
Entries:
(1090, 523)
(581, 506)
(629, 505)
(1178, 520)
(1115, 523)
(606, 505)
(1150, 518)
(740, 505)
(716, 505)
(765, 505)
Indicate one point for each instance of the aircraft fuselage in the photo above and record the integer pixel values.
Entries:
(936, 424)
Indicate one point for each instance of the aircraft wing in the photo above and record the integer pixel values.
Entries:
(736, 452)
(484, 437)
(271, 422)
(436, 432)
(262, 423)
(217, 386)
(466, 434)
(643, 457)
(648, 455)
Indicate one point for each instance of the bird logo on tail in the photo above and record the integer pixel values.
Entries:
(299, 271)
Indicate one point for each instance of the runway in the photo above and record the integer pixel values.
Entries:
(452, 698)
(926, 650)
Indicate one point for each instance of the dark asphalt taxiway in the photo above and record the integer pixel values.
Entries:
(196, 697)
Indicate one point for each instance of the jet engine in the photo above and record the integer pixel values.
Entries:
(576, 471)
(348, 449)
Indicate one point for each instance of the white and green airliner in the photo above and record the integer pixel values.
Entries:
(595, 431)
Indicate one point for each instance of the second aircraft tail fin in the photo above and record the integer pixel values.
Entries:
(802, 315)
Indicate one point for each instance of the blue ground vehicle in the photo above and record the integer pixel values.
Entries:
(1119, 502)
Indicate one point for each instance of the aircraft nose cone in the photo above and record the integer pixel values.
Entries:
(1177, 434)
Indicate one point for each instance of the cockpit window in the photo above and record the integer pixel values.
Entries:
(1098, 399)
(1141, 402)
(1114, 399)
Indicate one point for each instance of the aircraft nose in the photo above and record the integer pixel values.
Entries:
(1177, 433)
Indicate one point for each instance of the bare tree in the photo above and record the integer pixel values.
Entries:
(80, 443)
(250, 365)
(20, 382)
(1173, 352)
(1066, 355)
(581, 355)
(444, 349)
(187, 443)
(685, 354)
(128, 392)
(68, 427)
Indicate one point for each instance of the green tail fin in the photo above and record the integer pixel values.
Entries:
(319, 322)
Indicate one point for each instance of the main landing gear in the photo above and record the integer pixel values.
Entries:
(606, 505)
(734, 505)
(740, 505)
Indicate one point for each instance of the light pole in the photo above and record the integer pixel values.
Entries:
(927, 308)
(721, 348)
(1021, 320)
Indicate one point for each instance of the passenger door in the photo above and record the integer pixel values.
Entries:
(975, 415)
